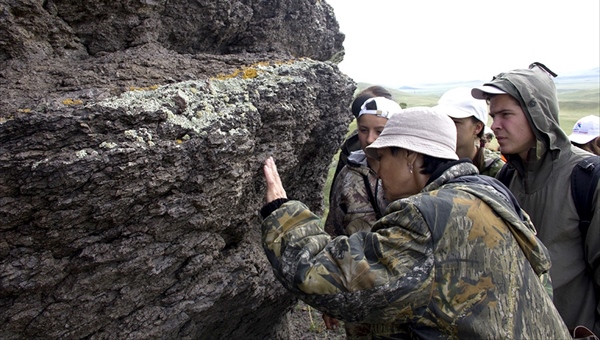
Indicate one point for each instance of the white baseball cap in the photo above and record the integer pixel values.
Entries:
(460, 103)
(586, 129)
(379, 106)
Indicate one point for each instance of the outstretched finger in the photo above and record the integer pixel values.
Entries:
(275, 188)
(276, 176)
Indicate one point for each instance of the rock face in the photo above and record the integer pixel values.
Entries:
(132, 136)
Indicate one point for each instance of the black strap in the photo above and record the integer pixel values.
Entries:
(372, 198)
(584, 179)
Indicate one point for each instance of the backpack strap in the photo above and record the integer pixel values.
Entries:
(372, 198)
(352, 143)
(584, 180)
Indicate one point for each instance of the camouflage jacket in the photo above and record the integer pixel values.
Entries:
(492, 163)
(454, 261)
(351, 201)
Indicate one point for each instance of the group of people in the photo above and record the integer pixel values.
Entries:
(421, 239)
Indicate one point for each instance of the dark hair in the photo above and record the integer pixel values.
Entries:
(368, 93)
(430, 163)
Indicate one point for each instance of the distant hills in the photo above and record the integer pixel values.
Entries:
(585, 80)
(582, 80)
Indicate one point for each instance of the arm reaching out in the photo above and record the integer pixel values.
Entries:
(275, 189)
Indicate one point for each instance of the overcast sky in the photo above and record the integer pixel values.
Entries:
(414, 42)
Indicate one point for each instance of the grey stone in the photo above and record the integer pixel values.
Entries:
(132, 136)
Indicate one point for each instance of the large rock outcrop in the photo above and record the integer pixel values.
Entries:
(132, 136)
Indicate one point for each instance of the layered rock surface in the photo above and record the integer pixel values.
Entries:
(132, 136)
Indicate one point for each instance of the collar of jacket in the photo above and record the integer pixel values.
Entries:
(536, 172)
(442, 168)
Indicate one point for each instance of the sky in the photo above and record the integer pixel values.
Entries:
(417, 42)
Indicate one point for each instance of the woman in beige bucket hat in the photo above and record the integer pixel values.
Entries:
(453, 256)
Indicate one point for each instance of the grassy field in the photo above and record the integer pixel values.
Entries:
(574, 101)
(576, 104)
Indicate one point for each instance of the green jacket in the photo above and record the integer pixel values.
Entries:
(543, 188)
(454, 261)
(351, 206)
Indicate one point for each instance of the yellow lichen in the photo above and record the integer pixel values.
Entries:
(71, 101)
(249, 73)
(24, 110)
(246, 72)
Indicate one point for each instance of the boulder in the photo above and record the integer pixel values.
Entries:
(132, 137)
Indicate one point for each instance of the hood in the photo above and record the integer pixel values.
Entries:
(358, 157)
(463, 175)
(505, 205)
(536, 92)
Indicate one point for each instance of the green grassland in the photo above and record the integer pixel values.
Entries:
(575, 104)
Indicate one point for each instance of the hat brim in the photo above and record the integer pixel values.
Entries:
(579, 138)
(413, 144)
(482, 92)
(453, 111)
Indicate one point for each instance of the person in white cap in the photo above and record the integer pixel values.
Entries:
(540, 160)
(586, 134)
(470, 116)
(356, 199)
(453, 256)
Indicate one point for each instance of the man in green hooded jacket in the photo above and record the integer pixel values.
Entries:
(524, 107)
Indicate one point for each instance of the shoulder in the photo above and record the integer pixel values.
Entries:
(352, 172)
(491, 156)
(432, 210)
(492, 163)
(350, 180)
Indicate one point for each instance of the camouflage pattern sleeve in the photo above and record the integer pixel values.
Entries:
(351, 278)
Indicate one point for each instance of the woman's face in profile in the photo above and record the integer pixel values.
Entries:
(395, 172)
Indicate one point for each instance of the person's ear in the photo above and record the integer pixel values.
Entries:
(479, 126)
(411, 156)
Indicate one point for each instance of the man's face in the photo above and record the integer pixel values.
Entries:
(511, 127)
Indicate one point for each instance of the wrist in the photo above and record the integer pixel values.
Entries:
(268, 208)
